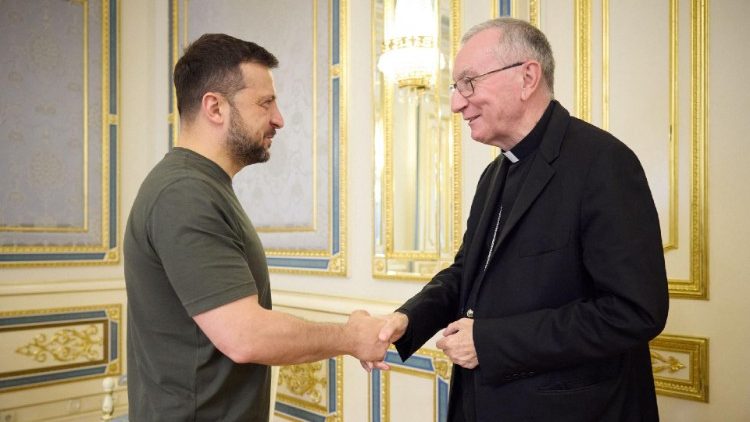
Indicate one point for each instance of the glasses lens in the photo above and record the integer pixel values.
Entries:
(464, 87)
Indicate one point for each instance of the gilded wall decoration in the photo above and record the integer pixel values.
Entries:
(59, 120)
(678, 98)
(680, 366)
(312, 391)
(303, 380)
(66, 345)
(297, 200)
(609, 66)
(51, 346)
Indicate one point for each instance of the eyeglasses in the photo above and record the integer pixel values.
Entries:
(465, 86)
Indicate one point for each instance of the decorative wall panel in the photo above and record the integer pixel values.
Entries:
(426, 372)
(312, 391)
(672, 78)
(50, 346)
(59, 132)
(297, 200)
(680, 366)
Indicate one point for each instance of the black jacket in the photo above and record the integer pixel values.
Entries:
(574, 291)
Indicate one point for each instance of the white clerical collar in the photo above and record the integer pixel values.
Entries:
(509, 155)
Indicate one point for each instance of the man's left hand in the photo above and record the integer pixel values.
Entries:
(458, 343)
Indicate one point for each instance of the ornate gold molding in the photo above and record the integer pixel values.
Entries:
(696, 287)
(534, 13)
(680, 366)
(662, 363)
(66, 345)
(674, 116)
(313, 389)
(303, 380)
(582, 35)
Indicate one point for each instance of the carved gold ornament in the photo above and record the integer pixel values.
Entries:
(303, 380)
(66, 345)
(660, 363)
(443, 368)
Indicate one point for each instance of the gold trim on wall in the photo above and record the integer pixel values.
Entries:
(535, 13)
(674, 117)
(582, 33)
(680, 366)
(696, 287)
(73, 348)
(304, 382)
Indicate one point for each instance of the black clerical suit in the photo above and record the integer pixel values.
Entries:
(573, 289)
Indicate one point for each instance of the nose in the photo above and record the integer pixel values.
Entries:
(458, 101)
(277, 120)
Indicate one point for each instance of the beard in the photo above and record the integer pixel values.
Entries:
(242, 147)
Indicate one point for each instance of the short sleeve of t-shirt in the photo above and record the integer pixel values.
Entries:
(192, 231)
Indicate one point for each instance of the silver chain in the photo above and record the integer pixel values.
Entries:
(494, 235)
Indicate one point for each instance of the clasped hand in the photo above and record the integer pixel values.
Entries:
(363, 330)
(458, 343)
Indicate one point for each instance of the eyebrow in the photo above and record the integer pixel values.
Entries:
(463, 74)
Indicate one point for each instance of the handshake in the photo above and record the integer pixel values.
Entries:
(368, 338)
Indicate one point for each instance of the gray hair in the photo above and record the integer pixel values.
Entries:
(520, 40)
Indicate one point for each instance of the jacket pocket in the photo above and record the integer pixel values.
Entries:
(581, 377)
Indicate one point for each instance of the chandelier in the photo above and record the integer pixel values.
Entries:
(410, 55)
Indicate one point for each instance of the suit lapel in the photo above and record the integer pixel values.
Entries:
(540, 173)
(473, 260)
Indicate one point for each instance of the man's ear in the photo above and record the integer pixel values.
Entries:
(211, 107)
(532, 78)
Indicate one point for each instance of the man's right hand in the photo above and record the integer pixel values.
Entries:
(394, 327)
(363, 331)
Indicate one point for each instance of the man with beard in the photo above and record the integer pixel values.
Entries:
(201, 332)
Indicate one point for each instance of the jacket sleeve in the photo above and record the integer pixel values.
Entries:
(623, 263)
(437, 304)
(432, 308)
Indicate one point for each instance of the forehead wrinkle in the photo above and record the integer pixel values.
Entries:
(480, 59)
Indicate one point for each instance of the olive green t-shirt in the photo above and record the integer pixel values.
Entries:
(189, 247)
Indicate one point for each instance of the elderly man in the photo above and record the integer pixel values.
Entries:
(560, 281)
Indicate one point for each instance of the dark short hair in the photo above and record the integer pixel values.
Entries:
(212, 64)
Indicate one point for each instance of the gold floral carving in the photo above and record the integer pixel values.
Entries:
(443, 368)
(660, 363)
(66, 345)
(303, 380)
